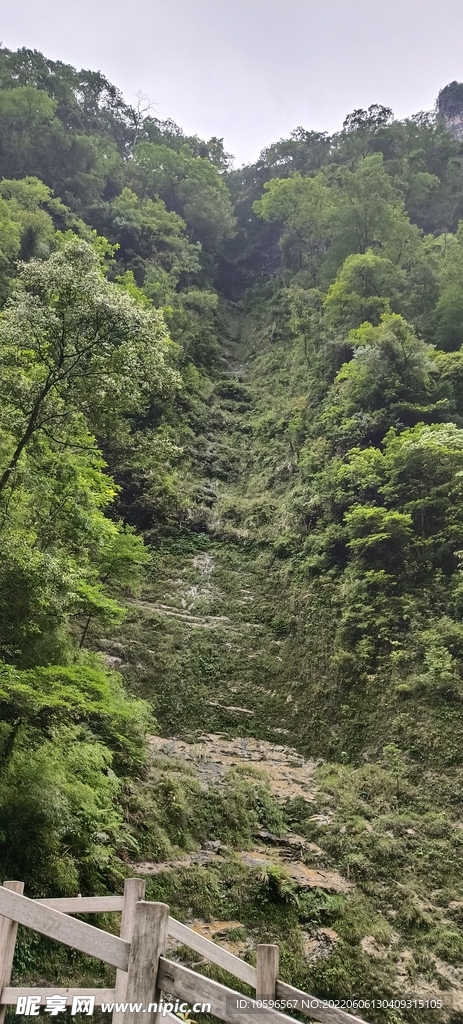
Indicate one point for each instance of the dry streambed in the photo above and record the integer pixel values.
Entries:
(289, 775)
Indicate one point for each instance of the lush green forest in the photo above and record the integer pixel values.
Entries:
(250, 380)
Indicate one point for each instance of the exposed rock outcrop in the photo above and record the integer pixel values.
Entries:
(450, 108)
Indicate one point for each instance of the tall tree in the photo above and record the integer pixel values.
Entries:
(70, 343)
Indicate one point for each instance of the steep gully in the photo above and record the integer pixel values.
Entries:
(203, 644)
(201, 638)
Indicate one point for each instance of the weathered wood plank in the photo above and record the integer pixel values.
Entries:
(8, 930)
(317, 1011)
(65, 929)
(216, 954)
(9, 996)
(84, 904)
(148, 943)
(268, 962)
(134, 890)
(182, 983)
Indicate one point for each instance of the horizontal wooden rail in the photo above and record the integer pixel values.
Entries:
(9, 996)
(84, 937)
(328, 1014)
(84, 904)
(213, 952)
(216, 954)
(182, 983)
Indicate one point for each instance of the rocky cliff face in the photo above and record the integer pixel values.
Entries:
(450, 108)
(454, 125)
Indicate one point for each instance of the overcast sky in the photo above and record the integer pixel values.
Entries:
(252, 70)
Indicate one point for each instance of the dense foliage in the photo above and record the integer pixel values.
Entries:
(131, 258)
(109, 225)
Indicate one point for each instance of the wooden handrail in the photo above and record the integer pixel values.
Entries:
(182, 983)
(194, 940)
(216, 954)
(51, 917)
(84, 937)
(84, 904)
(326, 1014)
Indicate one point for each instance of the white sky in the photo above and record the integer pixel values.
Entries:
(252, 70)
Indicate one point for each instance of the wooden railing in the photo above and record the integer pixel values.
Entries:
(138, 954)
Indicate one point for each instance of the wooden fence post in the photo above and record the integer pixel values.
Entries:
(148, 944)
(268, 962)
(134, 890)
(8, 930)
